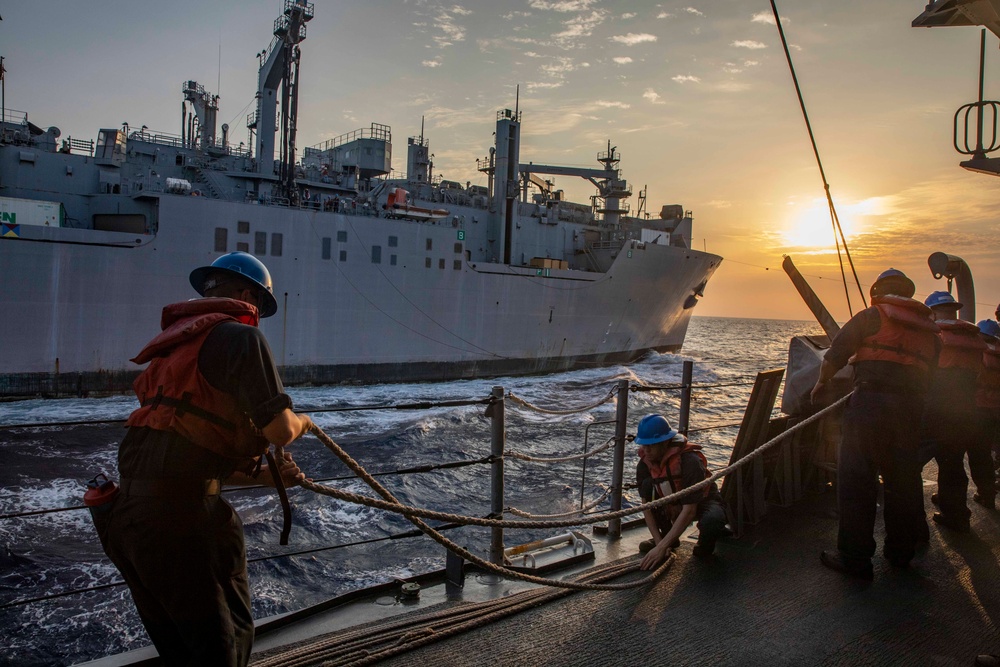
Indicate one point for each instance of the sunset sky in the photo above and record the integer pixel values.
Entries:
(695, 94)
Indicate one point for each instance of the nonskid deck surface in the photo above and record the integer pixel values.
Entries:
(764, 600)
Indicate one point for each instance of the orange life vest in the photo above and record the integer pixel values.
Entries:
(988, 386)
(905, 336)
(961, 345)
(175, 396)
(670, 470)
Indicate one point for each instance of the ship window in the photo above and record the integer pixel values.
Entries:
(343, 255)
(243, 247)
(260, 243)
(242, 226)
(458, 265)
(393, 241)
(179, 160)
(430, 244)
(326, 247)
(276, 245)
(376, 254)
(441, 263)
(221, 239)
(427, 262)
(392, 260)
(458, 248)
(341, 237)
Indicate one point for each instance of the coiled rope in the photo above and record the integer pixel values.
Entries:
(393, 504)
(413, 512)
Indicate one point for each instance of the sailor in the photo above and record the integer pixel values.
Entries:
(669, 463)
(892, 346)
(950, 424)
(988, 409)
(211, 401)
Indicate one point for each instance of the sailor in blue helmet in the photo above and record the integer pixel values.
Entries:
(893, 346)
(210, 404)
(950, 420)
(668, 464)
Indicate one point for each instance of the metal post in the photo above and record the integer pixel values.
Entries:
(686, 379)
(621, 417)
(497, 443)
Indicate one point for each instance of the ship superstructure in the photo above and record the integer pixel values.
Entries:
(379, 276)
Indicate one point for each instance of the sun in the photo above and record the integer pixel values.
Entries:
(809, 224)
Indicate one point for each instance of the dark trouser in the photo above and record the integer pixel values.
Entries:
(185, 564)
(981, 453)
(880, 436)
(949, 434)
(711, 521)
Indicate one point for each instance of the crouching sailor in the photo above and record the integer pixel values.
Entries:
(211, 401)
(668, 463)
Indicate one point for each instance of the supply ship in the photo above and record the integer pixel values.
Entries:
(379, 277)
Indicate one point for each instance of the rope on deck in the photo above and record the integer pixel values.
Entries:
(413, 512)
(392, 503)
(370, 644)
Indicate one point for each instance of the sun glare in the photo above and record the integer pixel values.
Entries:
(809, 225)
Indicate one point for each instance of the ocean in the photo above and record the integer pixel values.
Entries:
(52, 554)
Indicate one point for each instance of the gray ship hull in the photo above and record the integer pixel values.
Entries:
(79, 303)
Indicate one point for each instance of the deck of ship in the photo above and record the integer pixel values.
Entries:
(763, 599)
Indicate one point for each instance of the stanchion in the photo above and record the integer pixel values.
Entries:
(621, 417)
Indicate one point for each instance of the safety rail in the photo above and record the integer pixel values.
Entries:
(495, 411)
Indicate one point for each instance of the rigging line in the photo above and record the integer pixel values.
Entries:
(843, 276)
(812, 139)
(421, 311)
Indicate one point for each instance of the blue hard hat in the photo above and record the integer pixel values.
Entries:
(653, 429)
(941, 298)
(245, 266)
(989, 328)
(892, 281)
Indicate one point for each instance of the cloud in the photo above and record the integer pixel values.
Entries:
(562, 5)
(664, 15)
(532, 85)
(605, 104)
(446, 23)
(652, 96)
(686, 78)
(432, 63)
(767, 17)
(628, 15)
(749, 44)
(692, 10)
(580, 26)
(622, 60)
(720, 203)
(632, 38)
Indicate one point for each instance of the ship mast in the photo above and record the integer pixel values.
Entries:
(280, 70)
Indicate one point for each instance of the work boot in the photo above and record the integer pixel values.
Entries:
(704, 549)
(836, 561)
(949, 521)
(935, 499)
(987, 661)
(897, 561)
(989, 502)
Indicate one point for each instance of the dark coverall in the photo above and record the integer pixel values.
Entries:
(881, 433)
(183, 555)
(711, 514)
(951, 428)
